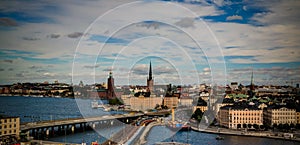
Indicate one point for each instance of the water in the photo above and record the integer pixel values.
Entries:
(37, 109)
(34, 109)
(161, 133)
(88, 137)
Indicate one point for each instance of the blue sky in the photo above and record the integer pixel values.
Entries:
(187, 41)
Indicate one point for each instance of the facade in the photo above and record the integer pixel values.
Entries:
(202, 108)
(110, 87)
(10, 126)
(298, 117)
(279, 114)
(236, 117)
(170, 102)
(142, 103)
(187, 101)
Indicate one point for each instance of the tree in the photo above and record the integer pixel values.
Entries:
(275, 125)
(239, 126)
(256, 126)
(249, 125)
(157, 107)
(263, 127)
(286, 126)
(280, 126)
(297, 126)
(197, 115)
(115, 101)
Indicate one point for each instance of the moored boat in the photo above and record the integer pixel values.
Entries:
(178, 126)
(219, 137)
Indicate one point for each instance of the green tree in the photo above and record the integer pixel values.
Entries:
(197, 115)
(256, 126)
(115, 101)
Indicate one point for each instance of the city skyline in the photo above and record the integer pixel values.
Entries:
(192, 42)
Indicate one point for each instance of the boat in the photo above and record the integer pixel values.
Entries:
(219, 137)
(96, 105)
(176, 125)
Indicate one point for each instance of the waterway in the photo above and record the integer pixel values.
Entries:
(32, 109)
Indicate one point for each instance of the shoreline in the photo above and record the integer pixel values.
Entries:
(239, 133)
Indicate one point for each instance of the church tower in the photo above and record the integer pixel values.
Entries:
(110, 87)
(150, 80)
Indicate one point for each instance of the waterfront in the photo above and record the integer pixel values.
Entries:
(44, 108)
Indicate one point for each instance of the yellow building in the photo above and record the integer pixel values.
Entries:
(279, 114)
(141, 103)
(201, 104)
(202, 108)
(235, 117)
(298, 117)
(10, 126)
(170, 102)
(188, 101)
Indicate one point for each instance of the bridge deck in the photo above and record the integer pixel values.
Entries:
(33, 125)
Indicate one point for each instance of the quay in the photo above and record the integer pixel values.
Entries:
(225, 131)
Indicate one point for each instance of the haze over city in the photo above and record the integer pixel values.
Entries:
(191, 42)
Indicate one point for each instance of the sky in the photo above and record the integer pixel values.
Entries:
(187, 41)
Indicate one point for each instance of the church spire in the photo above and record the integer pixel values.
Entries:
(150, 72)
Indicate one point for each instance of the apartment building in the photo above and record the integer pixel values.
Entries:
(240, 116)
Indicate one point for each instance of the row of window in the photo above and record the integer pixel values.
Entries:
(8, 132)
(247, 113)
(247, 118)
(283, 118)
(8, 120)
(8, 126)
(283, 113)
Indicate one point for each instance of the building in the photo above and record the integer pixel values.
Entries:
(9, 128)
(171, 101)
(142, 103)
(225, 102)
(201, 104)
(104, 91)
(240, 116)
(150, 81)
(143, 98)
(279, 114)
(186, 101)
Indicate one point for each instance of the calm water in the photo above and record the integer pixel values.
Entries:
(159, 133)
(37, 109)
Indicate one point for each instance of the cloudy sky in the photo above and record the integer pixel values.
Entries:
(187, 41)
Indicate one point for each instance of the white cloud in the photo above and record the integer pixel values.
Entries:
(234, 17)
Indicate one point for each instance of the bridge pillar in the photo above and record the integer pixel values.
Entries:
(73, 128)
(53, 131)
(93, 125)
(47, 132)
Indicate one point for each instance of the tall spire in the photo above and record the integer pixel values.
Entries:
(150, 72)
(252, 84)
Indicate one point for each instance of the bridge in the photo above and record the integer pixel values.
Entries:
(45, 129)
